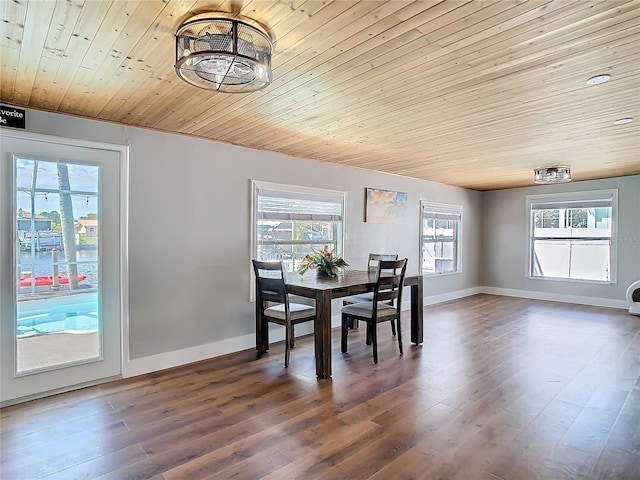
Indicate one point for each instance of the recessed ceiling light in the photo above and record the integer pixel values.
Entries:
(622, 121)
(598, 79)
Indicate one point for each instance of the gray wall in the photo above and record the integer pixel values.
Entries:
(189, 228)
(504, 239)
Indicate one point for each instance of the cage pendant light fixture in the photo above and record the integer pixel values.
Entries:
(224, 54)
(547, 175)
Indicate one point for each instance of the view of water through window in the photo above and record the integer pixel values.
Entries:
(57, 268)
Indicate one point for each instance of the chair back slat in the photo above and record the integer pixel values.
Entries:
(374, 260)
(389, 281)
(270, 281)
(272, 289)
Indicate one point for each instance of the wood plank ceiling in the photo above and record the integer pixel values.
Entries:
(469, 93)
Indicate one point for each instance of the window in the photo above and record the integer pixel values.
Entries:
(570, 235)
(440, 234)
(289, 221)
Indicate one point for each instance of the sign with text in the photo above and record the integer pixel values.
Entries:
(12, 117)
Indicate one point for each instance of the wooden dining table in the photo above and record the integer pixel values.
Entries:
(348, 282)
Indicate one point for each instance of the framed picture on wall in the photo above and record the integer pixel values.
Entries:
(385, 206)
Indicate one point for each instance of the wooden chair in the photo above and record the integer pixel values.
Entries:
(372, 266)
(386, 304)
(273, 305)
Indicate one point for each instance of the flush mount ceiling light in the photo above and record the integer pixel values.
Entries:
(598, 79)
(552, 175)
(224, 54)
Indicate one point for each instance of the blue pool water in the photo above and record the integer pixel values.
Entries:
(79, 317)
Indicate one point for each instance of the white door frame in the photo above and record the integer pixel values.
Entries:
(7, 283)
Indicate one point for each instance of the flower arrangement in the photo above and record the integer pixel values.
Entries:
(324, 261)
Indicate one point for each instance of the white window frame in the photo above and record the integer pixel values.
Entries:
(449, 212)
(293, 191)
(575, 198)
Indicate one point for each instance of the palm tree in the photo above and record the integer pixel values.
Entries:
(67, 224)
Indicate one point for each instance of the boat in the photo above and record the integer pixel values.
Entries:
(47, 281)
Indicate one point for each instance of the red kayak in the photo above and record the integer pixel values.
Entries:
(45, 281)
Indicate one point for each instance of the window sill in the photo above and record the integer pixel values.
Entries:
(573, 280)
(427, 274)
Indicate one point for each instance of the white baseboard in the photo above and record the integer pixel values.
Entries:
(162, 361)
(176, 358)
(556, 297)
(445, 297)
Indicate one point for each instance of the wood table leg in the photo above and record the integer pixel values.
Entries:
(259, 339)
(262, 332)
(417, 312)
(322, 334)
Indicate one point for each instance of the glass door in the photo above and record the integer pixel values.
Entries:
(61, 318)
(57, 270)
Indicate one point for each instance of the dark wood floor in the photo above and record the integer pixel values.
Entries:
(503, 388)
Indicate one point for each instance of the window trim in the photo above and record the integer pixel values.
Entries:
(257, 185)
(446, 209)
(568, 198)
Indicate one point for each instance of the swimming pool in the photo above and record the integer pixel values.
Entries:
(39, 317)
